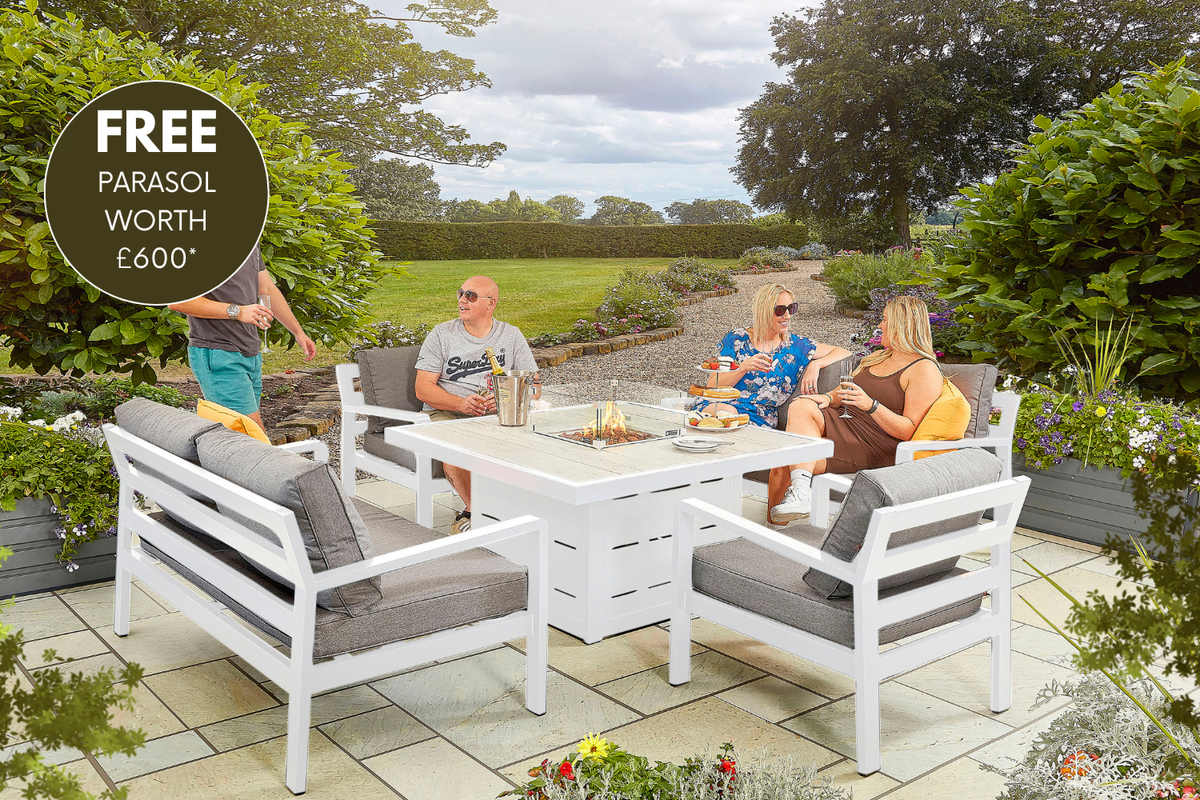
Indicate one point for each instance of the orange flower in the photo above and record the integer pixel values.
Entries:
(1076, 765)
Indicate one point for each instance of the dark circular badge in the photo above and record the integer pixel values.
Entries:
(156, 192)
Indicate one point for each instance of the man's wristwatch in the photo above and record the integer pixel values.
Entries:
(874, 407)
(233, 309)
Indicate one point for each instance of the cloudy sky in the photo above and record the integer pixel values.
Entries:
(637, 98)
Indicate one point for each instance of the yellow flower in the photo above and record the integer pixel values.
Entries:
(1101, 411)
(593, 746)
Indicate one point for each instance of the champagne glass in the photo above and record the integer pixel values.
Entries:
(265, 301)
(848, 367)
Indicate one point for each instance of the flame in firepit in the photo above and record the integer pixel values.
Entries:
(611, 424)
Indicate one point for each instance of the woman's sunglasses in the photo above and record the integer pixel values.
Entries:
(473, 296)
(791, 308)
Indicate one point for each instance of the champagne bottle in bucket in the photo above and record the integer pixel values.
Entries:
(498, 394)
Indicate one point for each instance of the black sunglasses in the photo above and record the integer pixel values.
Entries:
(791, 308)
(472, 296)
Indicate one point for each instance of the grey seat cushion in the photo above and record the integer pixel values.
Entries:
(748, 576)
(334, 535)
(172, 429)
(438, 595)
(896, 485)
(976, 382)
(389, 379)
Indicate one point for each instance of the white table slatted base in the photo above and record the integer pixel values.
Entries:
(609, 512)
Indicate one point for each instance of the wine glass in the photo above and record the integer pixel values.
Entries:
(265, 301)
(848, 367)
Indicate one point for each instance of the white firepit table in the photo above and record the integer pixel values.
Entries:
(609, 511)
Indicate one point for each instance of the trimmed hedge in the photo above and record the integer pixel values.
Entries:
(430, 241)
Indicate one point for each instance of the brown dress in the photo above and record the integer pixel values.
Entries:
(859, 442)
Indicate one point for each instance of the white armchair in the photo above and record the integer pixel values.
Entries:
(410, 470)
(819, 597)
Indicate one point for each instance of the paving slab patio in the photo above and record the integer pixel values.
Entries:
(459, 728)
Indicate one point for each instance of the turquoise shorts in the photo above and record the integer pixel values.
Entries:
(228, 378)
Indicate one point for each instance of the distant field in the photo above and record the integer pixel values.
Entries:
(537, 295)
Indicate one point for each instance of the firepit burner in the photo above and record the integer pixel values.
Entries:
(607, 424)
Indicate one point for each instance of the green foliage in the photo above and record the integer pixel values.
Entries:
(852, 277)
(511, 210)
(1160, 619)
(686, 275)
(315, 242)
(53, 710)
(854, 231)
(354, 78)
(95, 398)
(1098, 220)
(710, 212)
(387, 334)
(762, 257)
(612, 210)
(770, 220)
(568, 208)
(433, 240)
(640, 294)
(68, 464)
(1100, 746)
(394, 189)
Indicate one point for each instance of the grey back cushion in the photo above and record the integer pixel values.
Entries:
(172, 429)
(896, 485)
(389, 379)
(333, 533)
(976, 382)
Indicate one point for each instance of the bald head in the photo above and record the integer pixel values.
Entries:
(483, 285)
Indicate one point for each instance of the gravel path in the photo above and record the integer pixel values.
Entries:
(672, 363)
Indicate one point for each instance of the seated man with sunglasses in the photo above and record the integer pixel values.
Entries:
(772, 361)
(453, 368)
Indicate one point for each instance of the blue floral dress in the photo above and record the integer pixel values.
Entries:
(764, 392)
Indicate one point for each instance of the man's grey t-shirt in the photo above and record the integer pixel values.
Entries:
(229, 334)
(460, 360)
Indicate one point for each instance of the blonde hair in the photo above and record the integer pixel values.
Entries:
(763, 309)
(908, 330)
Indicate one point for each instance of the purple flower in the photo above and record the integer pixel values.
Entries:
(1068, 448)
(1077, 405)
(1047, 407)
(1057, 436)
(1021, 443)
(1043, 423)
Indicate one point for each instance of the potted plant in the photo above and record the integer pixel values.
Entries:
(58, 501)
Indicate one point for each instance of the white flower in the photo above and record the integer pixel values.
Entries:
(10, 412)
(41, 423)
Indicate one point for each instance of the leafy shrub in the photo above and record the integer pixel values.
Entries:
(813, 251)
(687, 275)
(946, 329)
(852, 277)
(411, 241)
(640, 293)
(387, 334)
(761, 258)
(316, 241)
(1099, 219)
(854, 232)
(95, 398)
(1101, 746)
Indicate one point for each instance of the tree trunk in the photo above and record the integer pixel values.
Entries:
(900, 219)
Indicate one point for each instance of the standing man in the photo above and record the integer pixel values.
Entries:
(452, 369)
(224, 336)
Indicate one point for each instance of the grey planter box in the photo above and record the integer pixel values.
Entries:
(1081, 503)
(33, 567)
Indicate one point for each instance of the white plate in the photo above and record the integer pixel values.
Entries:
(706, 369)
(698, 444)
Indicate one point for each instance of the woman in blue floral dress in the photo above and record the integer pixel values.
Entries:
(772, 361)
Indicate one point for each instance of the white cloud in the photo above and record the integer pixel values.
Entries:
(631, 97)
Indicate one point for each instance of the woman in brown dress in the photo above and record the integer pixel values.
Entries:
(893, 389)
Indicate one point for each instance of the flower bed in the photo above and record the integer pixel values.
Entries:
(601, 770)
(947, 331)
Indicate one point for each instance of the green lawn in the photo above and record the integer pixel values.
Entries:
(537, 295)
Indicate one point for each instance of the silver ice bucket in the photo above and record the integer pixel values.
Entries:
(513, 393)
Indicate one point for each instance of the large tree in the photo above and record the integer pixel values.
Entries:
(394, 189)
(356, 78)
(612, 210)
(709, 212)
(891, 105)
(569, 208)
